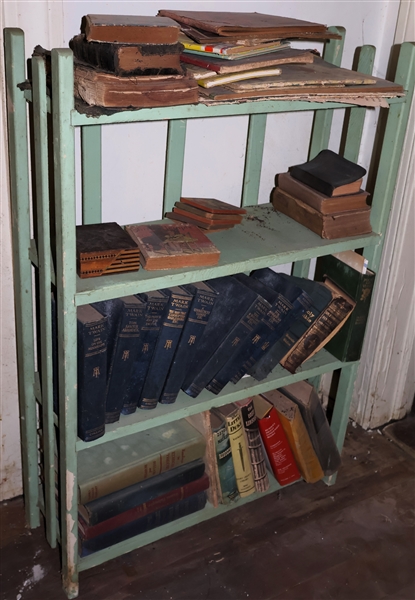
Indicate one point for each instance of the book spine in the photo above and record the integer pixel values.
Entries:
(193, 329)
(166, 345)
(143, 469)
(122, 362)
(123, 500)
(278, 450)
(336, 312)
(158, 503)
(253, 437)
(147, 343)
(92, 374)
(226, 469)
(150, 521)
(240, 456)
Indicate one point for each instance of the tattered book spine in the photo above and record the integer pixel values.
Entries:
(240, 455)
(255, 448)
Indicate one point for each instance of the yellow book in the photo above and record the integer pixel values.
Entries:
(298, 438)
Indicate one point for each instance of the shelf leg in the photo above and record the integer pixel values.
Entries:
(20, 221)
(91, 151)
(253, 159)
(173, 178)
(63, 148)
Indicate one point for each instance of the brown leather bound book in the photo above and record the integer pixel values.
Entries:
(218, 207)
(325, 204)
(205, 220)
(297, 436)
(103, 249)
(130, 29)
(175, 216)
(331, 226)
(212, 217)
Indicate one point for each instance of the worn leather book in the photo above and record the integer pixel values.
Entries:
(188, 218)
(156, 302)
(112, 505)
(116, 464)
(211, 217)
(103, 249)
(315, 420)
(92, 372)
(279, 453)
(130, 29)
(125, 319)
(231, 415)
(347, 344)
(330, 174)
(231, 220)
(325, 204)
(128, 59)
(330, 321)
(255, 446)
(98, 88)
(297, 436)
(173, 245)
(330, 226)
(211, 205)
(154, 519)
(171, 328)
(225, 470)
(204, 298)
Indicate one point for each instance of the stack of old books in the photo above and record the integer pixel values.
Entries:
(207, 213)
(130, 62)
(325, 195)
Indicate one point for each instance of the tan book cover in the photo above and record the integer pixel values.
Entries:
(298, 438)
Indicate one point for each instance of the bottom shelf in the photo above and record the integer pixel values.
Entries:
(143, 539)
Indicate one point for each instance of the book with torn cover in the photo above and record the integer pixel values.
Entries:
(130, 29)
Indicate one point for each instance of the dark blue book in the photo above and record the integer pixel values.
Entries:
(92, 372)
(111, 505)
(172, 325)
(204, 298)
(233, 317)
(125, 319)
(272, 325)
(151, 521)
(309, 300)
(156, 307)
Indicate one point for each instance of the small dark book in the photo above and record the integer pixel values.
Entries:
(103, 249)
(130, 29)
(347, 344)
(330, 174)
(156, 307)
(211, 216)
(171, 328)
(125, 318)
(204, 298)
(233, 317)
(92, 372)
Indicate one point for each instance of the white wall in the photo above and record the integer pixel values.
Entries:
(133, 155)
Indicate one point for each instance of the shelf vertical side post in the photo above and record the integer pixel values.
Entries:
(320, 134)
(40, 131)
(394, 136)
(253, 159)
(173, 177)
(356, 116)
(340, 416)
(91, 151)
(20, 223)
(63, 149)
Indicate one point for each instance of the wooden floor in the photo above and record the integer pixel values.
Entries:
(351, 541)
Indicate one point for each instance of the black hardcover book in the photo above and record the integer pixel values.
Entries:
(156, 307)
(327, 172)
(111, 505)
(92, 372)
(204, 298)
(172, 325)
(233, 317)
(308, 300)
(125, 319)
(150, 521)
(273, 324)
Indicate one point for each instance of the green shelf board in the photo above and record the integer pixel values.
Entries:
(186, 406)
(264, 238)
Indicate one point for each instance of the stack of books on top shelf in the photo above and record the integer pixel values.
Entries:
(207, 213)
(325, 195)
(130, 62)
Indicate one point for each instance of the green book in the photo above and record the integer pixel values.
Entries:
(347, 344)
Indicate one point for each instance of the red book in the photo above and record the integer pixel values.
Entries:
(194, 487)
(275, 441)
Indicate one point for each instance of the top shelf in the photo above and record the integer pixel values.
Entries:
(264, 238)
